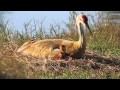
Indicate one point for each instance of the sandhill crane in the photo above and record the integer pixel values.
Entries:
(44, 48)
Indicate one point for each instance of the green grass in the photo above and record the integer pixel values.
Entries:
(106, 41)
(102, 60)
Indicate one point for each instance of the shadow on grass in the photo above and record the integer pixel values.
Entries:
(103, 59)
(94, 61)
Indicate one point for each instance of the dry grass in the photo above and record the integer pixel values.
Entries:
(92, 65)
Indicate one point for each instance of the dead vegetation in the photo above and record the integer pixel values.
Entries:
(15, 65)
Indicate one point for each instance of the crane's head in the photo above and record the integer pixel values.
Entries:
(82, 19)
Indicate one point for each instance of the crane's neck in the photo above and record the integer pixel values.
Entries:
(81, 40)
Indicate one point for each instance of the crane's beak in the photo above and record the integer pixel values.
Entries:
(86, 24)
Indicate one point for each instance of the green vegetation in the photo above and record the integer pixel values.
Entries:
(106, 40)
(102, 59)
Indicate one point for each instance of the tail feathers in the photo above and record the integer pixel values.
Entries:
(25, 46)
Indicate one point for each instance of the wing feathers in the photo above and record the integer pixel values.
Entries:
(43, 48)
